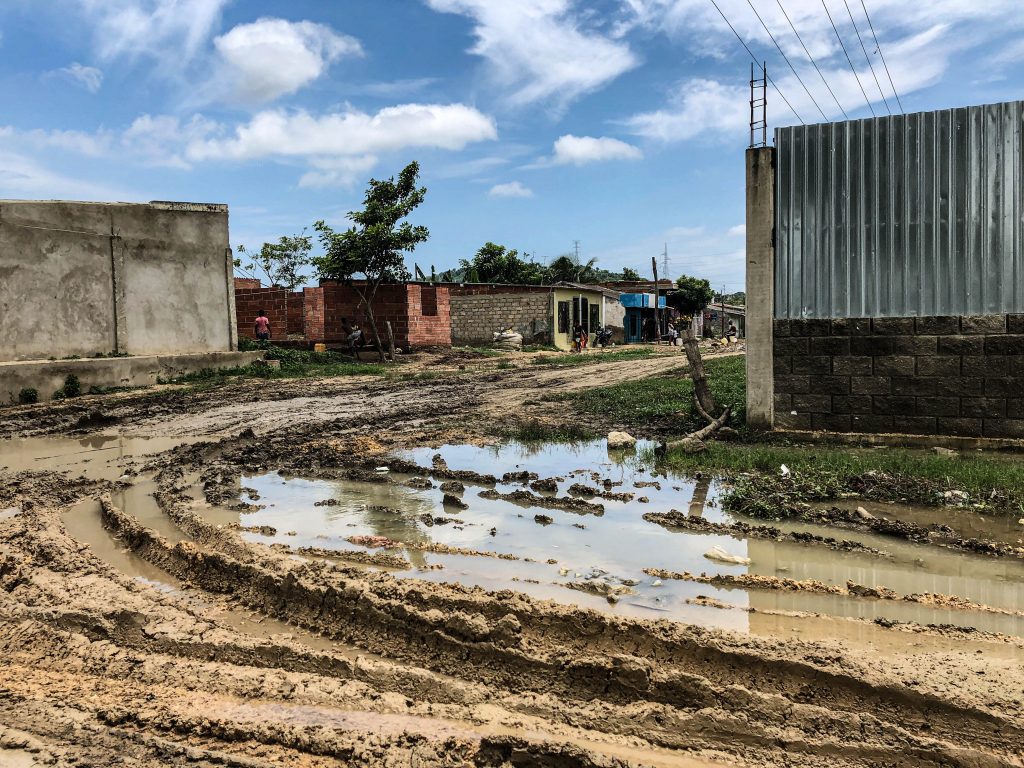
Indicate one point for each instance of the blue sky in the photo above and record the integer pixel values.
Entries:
(618, 123)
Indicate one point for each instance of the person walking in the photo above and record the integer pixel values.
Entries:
(262, 326)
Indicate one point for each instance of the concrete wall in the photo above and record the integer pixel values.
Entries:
(760, 285)
(960, 376)
(88, 278)
(46, 376)
(475, 316)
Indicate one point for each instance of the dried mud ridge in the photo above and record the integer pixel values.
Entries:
(740, 530)
(373, 670)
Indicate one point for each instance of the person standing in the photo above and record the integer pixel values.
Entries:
(262, 326)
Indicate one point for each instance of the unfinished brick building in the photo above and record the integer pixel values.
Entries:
(420, 315)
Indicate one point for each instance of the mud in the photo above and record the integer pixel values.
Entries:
(154, 609)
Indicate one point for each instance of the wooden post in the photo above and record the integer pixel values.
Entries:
(700, 381)
(391, 340)
(657, 318)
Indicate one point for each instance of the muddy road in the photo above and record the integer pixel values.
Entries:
(351, 572)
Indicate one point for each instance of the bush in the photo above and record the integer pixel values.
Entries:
(72, 386)
(28, 395)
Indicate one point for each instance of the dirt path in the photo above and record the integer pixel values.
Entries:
(241, 654)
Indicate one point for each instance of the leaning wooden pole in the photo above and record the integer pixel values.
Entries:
(701, 390)
(391, 341)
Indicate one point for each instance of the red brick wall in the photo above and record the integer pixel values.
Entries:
(401, 304)
(249, 301)
(420, 315)
(296, 314)
(246, 282)
(313, 313)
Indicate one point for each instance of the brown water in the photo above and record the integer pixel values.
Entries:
(615, 547)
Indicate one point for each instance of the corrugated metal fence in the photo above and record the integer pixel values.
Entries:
(909, 215)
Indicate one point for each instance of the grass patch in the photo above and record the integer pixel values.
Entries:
(828, 472)
(570, 360)
(665, 403)
(295, 364)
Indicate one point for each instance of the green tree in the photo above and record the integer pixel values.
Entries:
(495, 263)
(280, 263)
(567, 268)
(691, 295)
(630, 274)
(374, 248)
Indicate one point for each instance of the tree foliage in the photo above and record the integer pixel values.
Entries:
(495, 263)
(630, 274)
(691, 296)
(280, 263)
(567, 268)
(374, 248)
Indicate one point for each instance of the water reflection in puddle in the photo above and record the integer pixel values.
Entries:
(617, 546)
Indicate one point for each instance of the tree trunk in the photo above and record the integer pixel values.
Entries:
(391, 342)
(700, 381)
(694, 442)
(368, 306)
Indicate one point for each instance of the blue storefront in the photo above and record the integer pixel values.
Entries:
(639, 320)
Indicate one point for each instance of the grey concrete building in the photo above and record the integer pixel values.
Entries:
(89, 280)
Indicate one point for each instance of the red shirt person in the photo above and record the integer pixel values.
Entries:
(262, 326)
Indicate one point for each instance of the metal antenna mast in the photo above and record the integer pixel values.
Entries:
(759, 107)
(664, 262)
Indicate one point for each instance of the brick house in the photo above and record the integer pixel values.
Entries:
(420, 315)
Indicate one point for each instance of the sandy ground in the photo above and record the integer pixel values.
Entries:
(239, 654)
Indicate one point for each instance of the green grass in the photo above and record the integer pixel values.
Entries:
(665, 403)
(570, 360)
(826, 472)
(295, 364)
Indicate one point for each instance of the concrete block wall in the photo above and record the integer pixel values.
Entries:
(139, 279)
(961, 376)
(476, 316)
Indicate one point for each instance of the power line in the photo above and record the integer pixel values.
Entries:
(852, 68)
(791, 26)
(864, 48)
(784, 56)
(754, 59)
(882, 56)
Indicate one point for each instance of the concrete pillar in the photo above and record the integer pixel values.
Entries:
(760, 286)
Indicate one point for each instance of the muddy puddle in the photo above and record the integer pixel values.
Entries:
(96, 457)
(579, 557)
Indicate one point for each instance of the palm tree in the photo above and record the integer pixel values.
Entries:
(566, 268)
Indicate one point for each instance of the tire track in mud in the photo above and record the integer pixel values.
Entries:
(465, 631)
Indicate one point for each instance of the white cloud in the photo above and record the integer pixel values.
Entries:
(511, 189)
(580, 150)
(160, 140)
(276, 133)
(25, 177)
(171, 31)
(273, 57)
(337, 171)
(919, 42)
(540, 50)
(696, 106)
(90, 78)
(740, 230)
(340, 148)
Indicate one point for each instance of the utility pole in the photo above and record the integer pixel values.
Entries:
(723, 311)
(657, 319)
